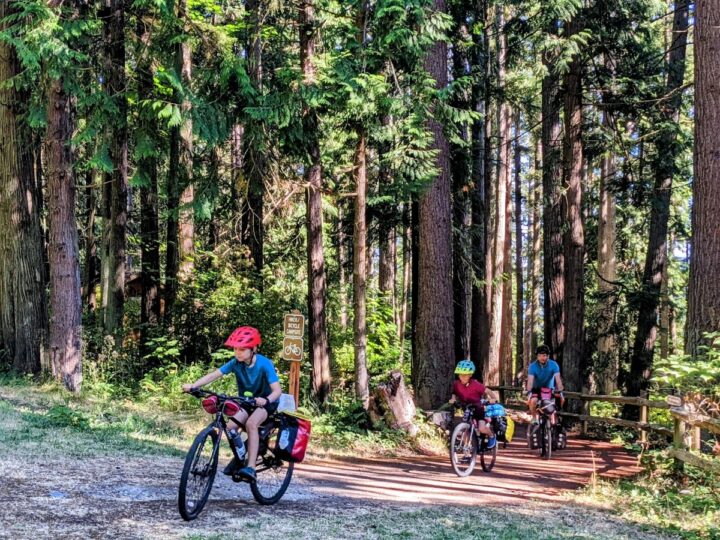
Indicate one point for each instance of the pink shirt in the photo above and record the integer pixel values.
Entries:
(472, 393)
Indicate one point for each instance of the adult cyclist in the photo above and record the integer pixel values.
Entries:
(469, 391)
(542, 373)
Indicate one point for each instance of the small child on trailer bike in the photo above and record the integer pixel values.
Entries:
(256, 375)
(468, 391)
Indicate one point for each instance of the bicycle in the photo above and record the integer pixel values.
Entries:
(548, 427)
(201, 462)
(466, 442)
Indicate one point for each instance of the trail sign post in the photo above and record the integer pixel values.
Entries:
(294, 330)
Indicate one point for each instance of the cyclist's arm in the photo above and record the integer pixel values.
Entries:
(530, 382)
(202, 381)
(491, 396)
(558, 382)
(453, 399)
(275, 392)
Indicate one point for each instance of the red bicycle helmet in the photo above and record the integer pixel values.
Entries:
(246, 337)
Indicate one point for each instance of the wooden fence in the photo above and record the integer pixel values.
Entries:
(685, 432)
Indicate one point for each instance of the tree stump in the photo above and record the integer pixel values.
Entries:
(397, 403)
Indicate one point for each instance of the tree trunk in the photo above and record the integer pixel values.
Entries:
(462, 210)
(362, 392)
(553, 255)
(704, 289)
(574, 237)
(491, 371)
(519, 285)
(342, 256)
(147, 171)
(186, 232)
(63, 251)
(92, 268)
(394, 398)
(480, 313)
(319, 354)
(664, 169)
(407, 256)
(433, 362)
(535, 262)
(256, 162)
(113, 15)
(22, 295)
(606, 368)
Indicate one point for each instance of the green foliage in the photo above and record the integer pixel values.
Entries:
(700, 375)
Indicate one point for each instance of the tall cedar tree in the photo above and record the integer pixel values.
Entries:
(319, 353)
(704, 289)
(434, 362)
(22, 296)
(664, 169)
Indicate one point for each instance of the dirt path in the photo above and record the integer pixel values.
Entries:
(126, 497)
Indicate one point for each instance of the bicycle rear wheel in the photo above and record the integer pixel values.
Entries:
(463, 449)
(487, 457)
(273, 474)
(198, 473)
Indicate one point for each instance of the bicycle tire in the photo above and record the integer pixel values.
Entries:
(273, 474)
(200, 475)
(463, 439)
(488, 457)
(546, 440)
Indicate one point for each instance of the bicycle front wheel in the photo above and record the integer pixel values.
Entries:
(546, 442)
(463, 449)
(273, 474)
(198, 473)
(487, 457)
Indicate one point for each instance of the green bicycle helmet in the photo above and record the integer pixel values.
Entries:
(465, 367)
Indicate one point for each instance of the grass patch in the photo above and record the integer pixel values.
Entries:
(684, 503)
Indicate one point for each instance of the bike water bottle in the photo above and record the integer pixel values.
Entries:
(238, 442)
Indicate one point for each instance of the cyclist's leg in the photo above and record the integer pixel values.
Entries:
(237, 421)
(484, 428)
(258, 416)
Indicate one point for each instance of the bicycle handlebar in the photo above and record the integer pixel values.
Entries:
(199, 392)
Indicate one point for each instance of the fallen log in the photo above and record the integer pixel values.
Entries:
(397, 404)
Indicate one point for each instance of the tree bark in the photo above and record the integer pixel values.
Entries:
(606, 368)
(553, 255)
(113, 15)
(462, 210)
(319, 353)
(664, 169)
(493, 365)
(362, 392)
(92, 267)
(63, 251)
(519, 285)
(532, 308)
(434, 364)
(22, 296)
(256, 162)
(407, 256)
(342, 257)
(704, 289)
(147, 171)
(480, 313)
(574, 237)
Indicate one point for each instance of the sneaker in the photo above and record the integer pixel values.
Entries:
(232, 467)
(248, 473)
(491, 442)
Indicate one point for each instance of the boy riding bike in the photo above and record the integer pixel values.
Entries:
(542, 373)
(255, 374)
(468, 391)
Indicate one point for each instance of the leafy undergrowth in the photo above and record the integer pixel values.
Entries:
(684, 502)
(159, 418)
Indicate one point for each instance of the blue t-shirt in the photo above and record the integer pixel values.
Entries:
(256, 379)
(544, 376)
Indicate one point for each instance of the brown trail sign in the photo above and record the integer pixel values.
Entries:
(294, 330)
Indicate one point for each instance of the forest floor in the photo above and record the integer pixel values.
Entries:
(62, 476)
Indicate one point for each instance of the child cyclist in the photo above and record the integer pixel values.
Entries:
(468, 391)
(255, 374)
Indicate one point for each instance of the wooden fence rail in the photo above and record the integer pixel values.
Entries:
(682, 418)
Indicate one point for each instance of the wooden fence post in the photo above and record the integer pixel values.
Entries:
(585, 412)
(644, 418)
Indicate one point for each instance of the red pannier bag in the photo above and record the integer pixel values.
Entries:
(292, 438)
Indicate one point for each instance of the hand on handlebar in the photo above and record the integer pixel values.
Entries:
(188, 388)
